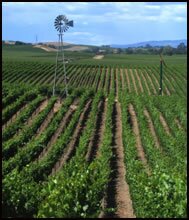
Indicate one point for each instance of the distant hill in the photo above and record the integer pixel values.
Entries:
(172, 43)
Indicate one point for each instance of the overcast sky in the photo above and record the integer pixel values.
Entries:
(95, 23)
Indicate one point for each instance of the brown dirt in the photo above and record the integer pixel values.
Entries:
(98, 82)
(41, 107)
(49, 117)
(138, 78)
(59, 130)
(133, 79)
(104, 81)
(136, 131)
(98, 57)
(116, 84)
(109, 81)
(111, 78)
(128, 82)
(153, 87)
(155, 79)
(179, 124)
(13, 118)
(46, 48)
(69, 151)
(122, 79)
(170, 83)
(117, 195)
(164, 123)
(152, 129)
(145, 82)
(106, 85)
(167, 91)
(98, 133)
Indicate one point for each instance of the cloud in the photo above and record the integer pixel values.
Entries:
(81, 33)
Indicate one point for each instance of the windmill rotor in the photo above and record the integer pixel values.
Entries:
(62, 23)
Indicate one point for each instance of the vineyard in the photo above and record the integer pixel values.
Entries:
(112, 148)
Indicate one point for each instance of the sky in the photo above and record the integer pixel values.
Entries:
(95, 23)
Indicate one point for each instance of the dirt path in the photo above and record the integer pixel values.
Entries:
(69, 151)
(145, 82)
(14, 117)
(98, 57)
(133, 79)
(164, 124)
(117, 195)
(49, 117)
(60, 128)
(152, 129)
(128, 82)
(138, 78)
(98, 133)
(122, 79)
(139, 146)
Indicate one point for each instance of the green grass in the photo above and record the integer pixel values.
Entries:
(28, 53)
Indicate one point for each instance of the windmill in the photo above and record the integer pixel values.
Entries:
(61, 24)
(162, 62)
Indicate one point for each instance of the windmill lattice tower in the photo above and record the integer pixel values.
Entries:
(61, 24)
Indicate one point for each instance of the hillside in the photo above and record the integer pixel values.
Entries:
(172, 43)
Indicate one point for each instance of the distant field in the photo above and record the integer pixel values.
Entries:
(113, 148)
(28, 53)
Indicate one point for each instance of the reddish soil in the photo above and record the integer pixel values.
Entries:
(60, 129)
(152, 129)
(164, 123)
(98, 133)
(133, 79)
(69, 151)
(128, 82)
(138, 78)
(136, 131)
(117, 194)
(145, 82)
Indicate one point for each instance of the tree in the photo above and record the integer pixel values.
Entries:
(168, 50)
(181, 48)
